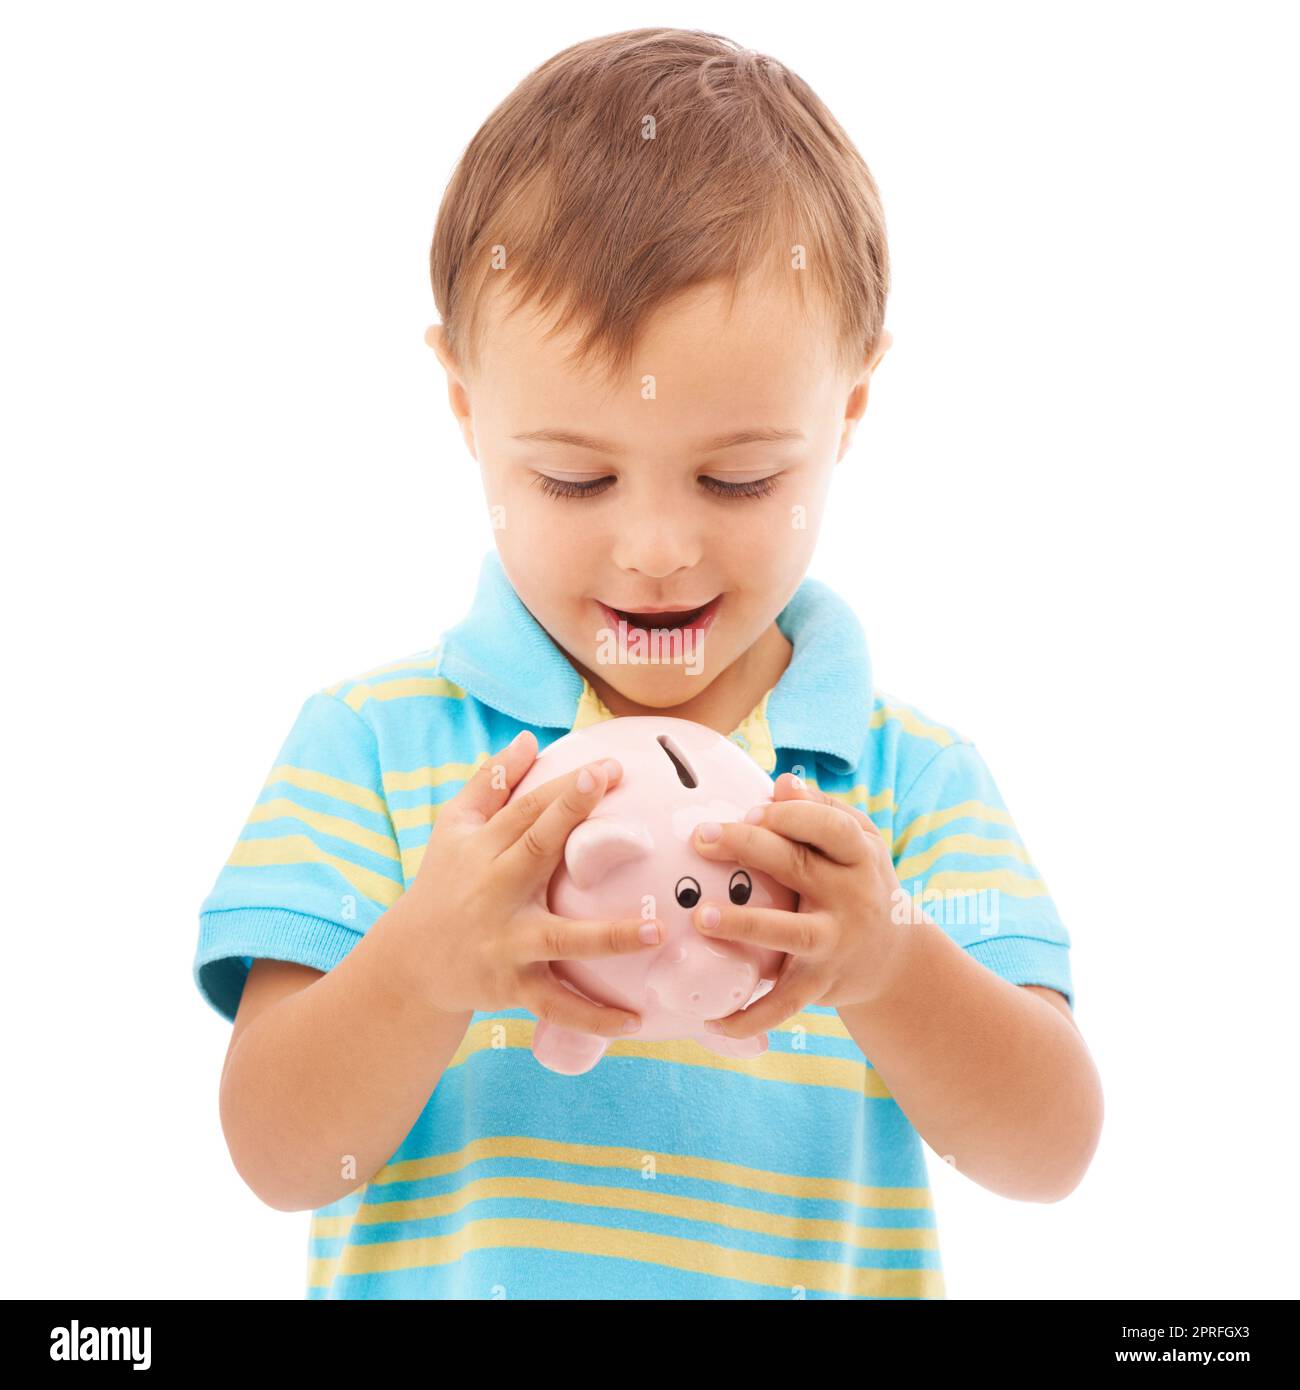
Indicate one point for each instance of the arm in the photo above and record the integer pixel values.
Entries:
(326, 1066)
(327, 1074)
(993, 1081)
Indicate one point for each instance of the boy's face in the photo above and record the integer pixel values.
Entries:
(658, 528)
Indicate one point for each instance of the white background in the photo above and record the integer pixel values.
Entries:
(1067, 525)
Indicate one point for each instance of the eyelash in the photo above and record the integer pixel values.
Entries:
(761, 487)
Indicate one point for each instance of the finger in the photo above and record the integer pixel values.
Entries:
(547, 996)
(825, 828)
(794, 990)
(564, 938)
(513, 819)
(544, 818)
(489, 788)
(788, 787)
(788, 861)
(795, 933)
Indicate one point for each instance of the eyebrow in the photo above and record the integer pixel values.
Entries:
(762, 434)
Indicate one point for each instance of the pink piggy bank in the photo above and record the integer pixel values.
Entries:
(634, 856)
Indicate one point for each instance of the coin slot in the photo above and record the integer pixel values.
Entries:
(684, 772)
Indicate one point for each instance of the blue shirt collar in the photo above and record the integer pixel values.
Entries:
(821, 704)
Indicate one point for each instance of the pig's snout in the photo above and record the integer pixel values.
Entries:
(702, 979)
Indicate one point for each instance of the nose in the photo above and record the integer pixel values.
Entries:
(658, 543)
(702, 979)
(656, 568)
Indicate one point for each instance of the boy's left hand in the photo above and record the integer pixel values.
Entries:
(844, 939)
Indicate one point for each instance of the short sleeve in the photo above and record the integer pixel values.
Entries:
(957, 851)
(316, 863)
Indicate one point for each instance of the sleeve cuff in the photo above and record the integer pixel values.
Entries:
(1026, 960)
(230, 937)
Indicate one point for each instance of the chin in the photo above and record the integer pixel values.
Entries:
(657, 688)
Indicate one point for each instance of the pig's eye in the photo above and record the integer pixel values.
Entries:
(687, 892)
(741, 887)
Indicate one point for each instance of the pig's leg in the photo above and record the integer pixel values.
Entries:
(565, 1050)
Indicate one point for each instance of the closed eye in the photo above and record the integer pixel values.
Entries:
(556, 487)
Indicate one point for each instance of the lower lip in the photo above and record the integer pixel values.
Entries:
(697, 626)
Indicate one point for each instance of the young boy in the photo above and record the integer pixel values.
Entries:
(661, 269)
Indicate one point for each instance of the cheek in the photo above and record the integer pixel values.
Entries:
(546, 537)
(782, 538)
(807, 496)
(536, 577)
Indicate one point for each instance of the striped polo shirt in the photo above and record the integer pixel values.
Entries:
(668, 1171)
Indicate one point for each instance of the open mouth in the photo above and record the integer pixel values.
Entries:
(698, 619)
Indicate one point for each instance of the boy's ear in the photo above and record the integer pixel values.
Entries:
(857, 403)
(457, 397)
(436, 337)
(882, 347)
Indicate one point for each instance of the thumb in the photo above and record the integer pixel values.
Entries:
(488, 790)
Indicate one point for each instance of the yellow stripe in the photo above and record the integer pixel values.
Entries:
(414, 663)
(299, 849)
(591, 709)
(858, 797)
(913, 724)
(409, 817)
(423, 813)
(403, 689)
(643, 1199)
(795, 1067)
(338, 826)
(756, 1180)
(754, 735)
(411, 860)
(673, 1252)
(829, 1025)
(331, 786)
(420, 777)
(932, 820)
(961, 844)
(1002, 879)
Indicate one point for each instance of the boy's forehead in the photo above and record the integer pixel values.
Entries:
(702, 350)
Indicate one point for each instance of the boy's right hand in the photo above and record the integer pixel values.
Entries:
(475, 917)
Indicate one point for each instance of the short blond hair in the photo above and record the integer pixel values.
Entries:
(629, 168)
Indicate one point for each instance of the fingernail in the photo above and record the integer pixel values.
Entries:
(708, 830)
(514, 742)
(710, 917)
(632, 1025)
(649, 933)
(713, 1026)
(797, 780)
(585, 780)
(754, 816)
(612, 769)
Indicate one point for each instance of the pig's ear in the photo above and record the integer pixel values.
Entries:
(600, 844)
